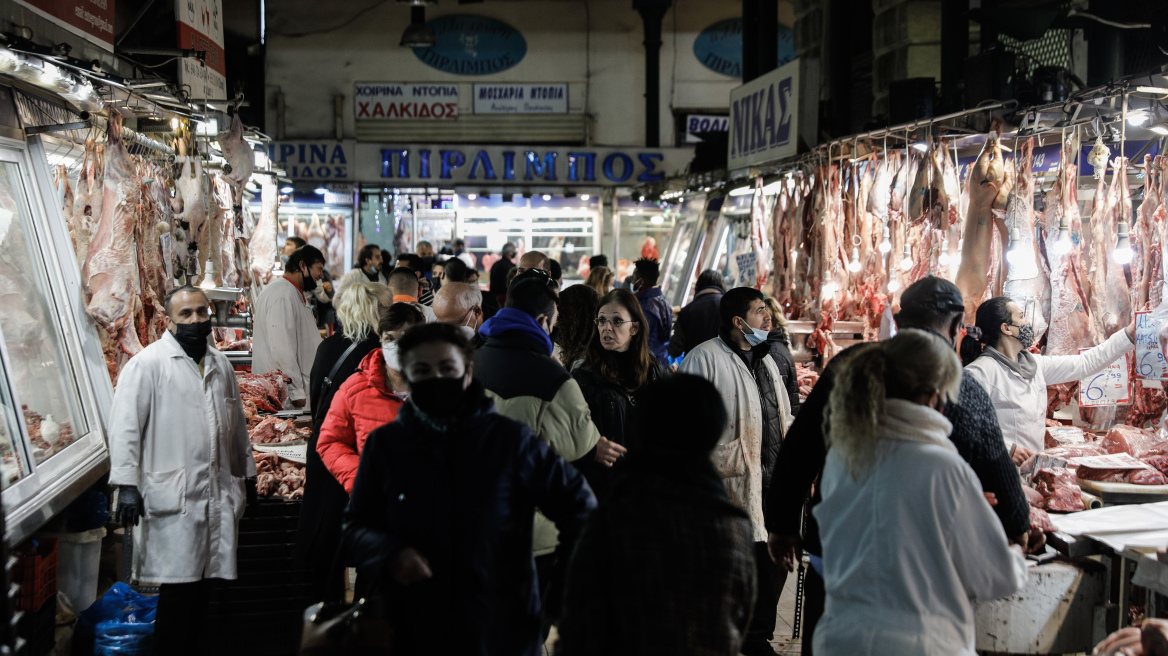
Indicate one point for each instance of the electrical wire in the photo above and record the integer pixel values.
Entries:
(326, 30)
(1122, 26)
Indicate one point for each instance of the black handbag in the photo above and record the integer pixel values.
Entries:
(327, 384)
(358, 629)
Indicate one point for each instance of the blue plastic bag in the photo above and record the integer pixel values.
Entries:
(121, 622)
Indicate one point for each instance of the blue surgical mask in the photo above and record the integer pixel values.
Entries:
(284, 259)
(756, 336)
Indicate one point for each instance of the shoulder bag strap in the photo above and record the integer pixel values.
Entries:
(327, 384)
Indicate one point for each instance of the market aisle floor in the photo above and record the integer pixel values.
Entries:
(783, 643)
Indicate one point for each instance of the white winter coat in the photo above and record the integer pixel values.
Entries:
(1021, 404)
(285, 337)
(355, 276)
(908, 546)
(182, 440)
(717, 363)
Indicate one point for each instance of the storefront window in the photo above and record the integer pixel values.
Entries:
(14, 463)
(646, 230)
(397, 219)
(40, 370)
(324, 220)
(564, 228)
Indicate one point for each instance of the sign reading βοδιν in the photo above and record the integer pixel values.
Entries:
(764, 118)
(389, 101)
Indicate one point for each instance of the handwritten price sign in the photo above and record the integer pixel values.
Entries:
(1108, 387)
(1150, 363)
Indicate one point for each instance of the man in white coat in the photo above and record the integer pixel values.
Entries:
(737, 362)
(181, 467)
(284, 333)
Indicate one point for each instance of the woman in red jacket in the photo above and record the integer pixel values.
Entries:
(368, 399)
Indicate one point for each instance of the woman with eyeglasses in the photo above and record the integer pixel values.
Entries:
(616, 365)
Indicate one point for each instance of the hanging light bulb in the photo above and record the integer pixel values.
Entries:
(854, 265)
(830, 287)
(1015, 255)
(956, 262)
(943, 259)
(894, 284)
(885, 245)
(907, 262)
(1123, 250)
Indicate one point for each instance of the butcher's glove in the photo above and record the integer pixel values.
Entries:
(253, 495)
(129, 505)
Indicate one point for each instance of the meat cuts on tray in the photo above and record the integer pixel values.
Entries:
(1128, 439)
(267, 392)
(1040, 520)
(1060, 489)
(276, 477)
(273, 430)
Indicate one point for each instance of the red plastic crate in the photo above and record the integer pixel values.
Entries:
(36, 572)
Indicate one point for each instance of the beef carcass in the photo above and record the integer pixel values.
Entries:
(221, 233)
(110, 274)
(238, 154)
(1026, 283)
(1118, 297)
(990, 182)
(262, 246)
(87, 199)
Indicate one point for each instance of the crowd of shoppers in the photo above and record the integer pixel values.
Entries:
(497, 463)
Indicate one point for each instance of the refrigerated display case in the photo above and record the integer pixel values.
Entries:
(681, 266)
(52, 398)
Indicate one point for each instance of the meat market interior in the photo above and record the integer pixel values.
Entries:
(228, 227)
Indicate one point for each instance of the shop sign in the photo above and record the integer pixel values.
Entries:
(313, 160)
(395, 101)
(200, 27)
(516, 165)
(520, 99)
(764, 118)
(473, 45)
(92, 19)
(697, 124)
(719, 47)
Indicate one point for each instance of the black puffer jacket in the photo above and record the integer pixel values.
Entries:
(465, 499)
(780, 351)
(612, 408)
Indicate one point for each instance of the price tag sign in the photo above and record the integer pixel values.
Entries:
(1108, 387)
(747, 269)
(1150, 363)
(297, 453)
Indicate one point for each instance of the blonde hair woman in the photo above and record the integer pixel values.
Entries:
(908, 537)
(600, 279)
(779, 340)
(359, 308)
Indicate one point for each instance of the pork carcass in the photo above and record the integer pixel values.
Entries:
(1026, 283)
(238, 154)
(262, 246)
(110, 274)
(989, 184)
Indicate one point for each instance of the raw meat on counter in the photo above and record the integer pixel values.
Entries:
(1132, 476)
(1064, 436)
(1062, 453)
(1033, 497)
(267, 392)
(1060, 489)
(274, 430)
(1128, 439)
(1040, 520)
(806, 376)
(278, 477)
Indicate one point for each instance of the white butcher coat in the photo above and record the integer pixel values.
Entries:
(907, 547)
(1021, 404)
(188, 459)
(717, 363)
(285, 337)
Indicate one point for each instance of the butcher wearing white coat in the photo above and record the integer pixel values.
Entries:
(909, 540)
(180, 456)
(1016, 379)
(284, 332)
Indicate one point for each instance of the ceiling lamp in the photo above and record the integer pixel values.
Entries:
(742, 191)
(943, 259)
(907, 262)
(418, 34)
(854, 265)
(894, 284)
(1062, 245)
(885, 244)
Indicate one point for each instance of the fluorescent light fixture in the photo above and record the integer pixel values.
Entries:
(547, 196)
(1137, 119)
(286, 189)
(174, 123)
(1160, 128)
(657, 219)
(320, 191)
(584, 197)
(261, 158)
(922, 146)
(737, 191)
(472, 196)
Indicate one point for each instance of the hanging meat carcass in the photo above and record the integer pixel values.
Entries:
(191, 185)
(1026, 282)
(110, 274)
(221, 234)
(335, 240)
(262, 247)
(989, 183)
(87, 199)
(239, 156)
(1148, 404)
(1117, 297)
(316, 236)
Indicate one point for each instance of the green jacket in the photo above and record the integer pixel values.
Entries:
(527, 385)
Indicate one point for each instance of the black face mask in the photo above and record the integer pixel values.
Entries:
(192, 337)
(440, 398)
(309, 283)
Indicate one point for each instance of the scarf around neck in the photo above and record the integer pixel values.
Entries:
(1026, 366)
(906, 421)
